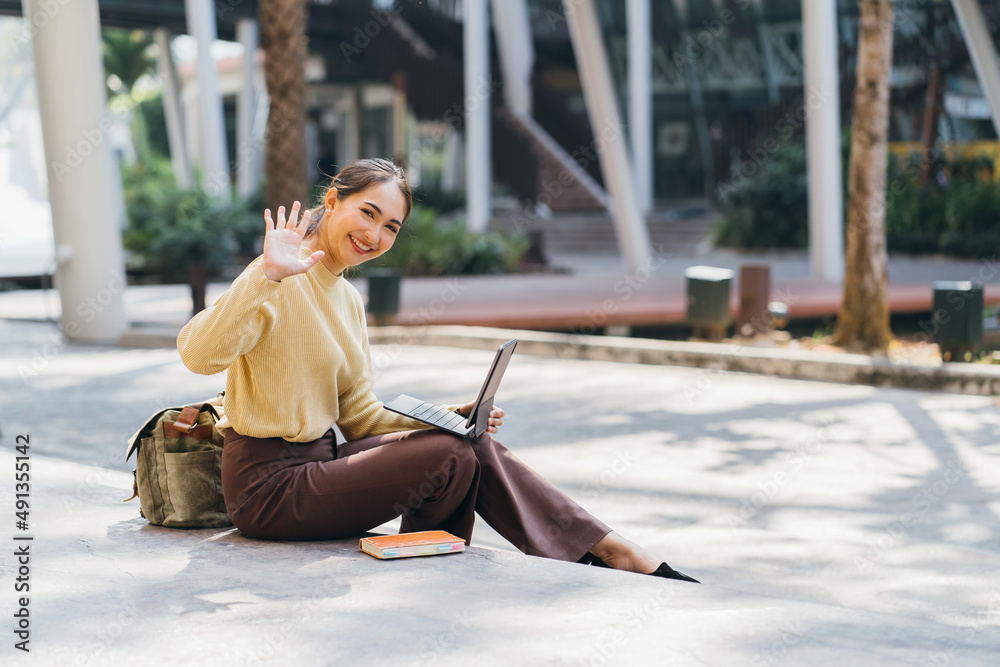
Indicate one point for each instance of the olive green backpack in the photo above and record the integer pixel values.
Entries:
(178, 472)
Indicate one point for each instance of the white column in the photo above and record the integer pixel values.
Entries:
(451, 170)
(609, 135)
(172, 110)
(822, 99)
(982, 52)
(354, 136)
(517, 53)
(478, 159)
(214, 163)
(249, 165)
(414, 158)
(399, 145)
(88, 211)
(640, 107)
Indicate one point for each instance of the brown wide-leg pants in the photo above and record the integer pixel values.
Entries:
(280, 490)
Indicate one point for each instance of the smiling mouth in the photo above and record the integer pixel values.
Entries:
(359, 246)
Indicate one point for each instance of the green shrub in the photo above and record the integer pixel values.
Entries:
(439, 200)
(768, 209)
(430, 246)
(914, 215)
(155, 124)
(956, 213)
(170, 229)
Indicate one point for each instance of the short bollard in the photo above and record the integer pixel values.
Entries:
(708, 301)
(956, 323)
(383, 295)
(755, 288)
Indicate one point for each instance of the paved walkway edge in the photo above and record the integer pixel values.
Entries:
(976, 379)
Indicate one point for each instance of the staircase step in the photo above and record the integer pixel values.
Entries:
(594, 234)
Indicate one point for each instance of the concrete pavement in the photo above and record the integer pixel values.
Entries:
(832, 524)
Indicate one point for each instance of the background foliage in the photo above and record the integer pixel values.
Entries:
(170, 229)
(430, 244)
(956, 213)
(768, 209)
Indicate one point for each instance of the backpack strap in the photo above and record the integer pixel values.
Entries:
(188, 418)
(186, 426)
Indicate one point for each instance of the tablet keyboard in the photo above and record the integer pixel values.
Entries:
(438, 416)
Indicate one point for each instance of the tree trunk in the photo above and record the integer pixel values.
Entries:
(863, 321)
(198, 282)
(283, 38)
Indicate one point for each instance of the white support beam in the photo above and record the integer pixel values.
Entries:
(640, 107)
(212, 134)
(399, 145)
(982, 52)
(517, 53)
(249, 151)
(451, 171)
(609, 137)
(355, 118)
(478, 157)
(88, 211)
(822, 98)
(172, 110)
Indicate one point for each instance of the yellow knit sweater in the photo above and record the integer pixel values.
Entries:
(298, 357)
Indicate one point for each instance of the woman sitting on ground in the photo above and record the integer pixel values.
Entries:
(291, 332)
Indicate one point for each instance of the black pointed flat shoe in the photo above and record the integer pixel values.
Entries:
(664, 570)
(591, 559)
(668, 572)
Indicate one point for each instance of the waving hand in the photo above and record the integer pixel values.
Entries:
(283, 242)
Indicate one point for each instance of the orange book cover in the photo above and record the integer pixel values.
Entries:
(424, 543)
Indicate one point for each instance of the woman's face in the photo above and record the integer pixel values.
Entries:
(362, 226)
